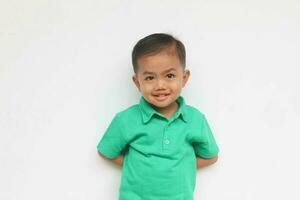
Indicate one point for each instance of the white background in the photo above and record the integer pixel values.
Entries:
(65, 70)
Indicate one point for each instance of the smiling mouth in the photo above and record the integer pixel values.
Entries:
(161, 97)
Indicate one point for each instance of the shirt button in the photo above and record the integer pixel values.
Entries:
(167, 141)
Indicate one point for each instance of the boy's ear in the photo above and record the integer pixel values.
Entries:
(136, 81)
(186, 75)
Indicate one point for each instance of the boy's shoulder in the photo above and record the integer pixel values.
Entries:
(193, 112)
(130, 112)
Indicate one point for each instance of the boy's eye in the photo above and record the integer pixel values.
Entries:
(170, 75)
(149, 78)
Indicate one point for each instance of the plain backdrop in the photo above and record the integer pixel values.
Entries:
(65, 70)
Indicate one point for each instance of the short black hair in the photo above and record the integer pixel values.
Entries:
(154, 44)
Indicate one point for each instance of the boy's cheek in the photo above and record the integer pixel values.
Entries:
(146, 88)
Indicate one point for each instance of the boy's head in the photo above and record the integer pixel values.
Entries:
(154, 44)
(159, 64)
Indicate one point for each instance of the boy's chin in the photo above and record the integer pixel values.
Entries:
(161, 104)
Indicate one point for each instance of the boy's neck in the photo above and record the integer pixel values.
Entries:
(169, 111)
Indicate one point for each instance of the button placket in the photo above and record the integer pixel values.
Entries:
(166, 140)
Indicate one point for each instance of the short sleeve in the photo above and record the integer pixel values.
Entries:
(114, 140)
(206, 146)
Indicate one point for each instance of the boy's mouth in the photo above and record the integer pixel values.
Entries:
(161, 97)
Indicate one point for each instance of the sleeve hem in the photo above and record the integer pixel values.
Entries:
(208, 156)
(106, 153)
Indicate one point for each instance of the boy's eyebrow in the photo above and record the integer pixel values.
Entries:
(168, 70)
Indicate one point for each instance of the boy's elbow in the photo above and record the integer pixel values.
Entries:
(214, 159)
(118, 160)
(203, 162)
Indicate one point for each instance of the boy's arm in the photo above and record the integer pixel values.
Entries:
(118, 160)
(201, 162)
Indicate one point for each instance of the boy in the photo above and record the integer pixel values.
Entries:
(161, 141)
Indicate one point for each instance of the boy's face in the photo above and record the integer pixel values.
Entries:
(160, 79)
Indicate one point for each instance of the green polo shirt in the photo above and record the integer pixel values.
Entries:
(160, 153)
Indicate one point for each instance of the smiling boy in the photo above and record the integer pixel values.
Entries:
(161, 141)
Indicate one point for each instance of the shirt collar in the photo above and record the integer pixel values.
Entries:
(148, 111)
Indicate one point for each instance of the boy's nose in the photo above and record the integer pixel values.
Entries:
(160, 84)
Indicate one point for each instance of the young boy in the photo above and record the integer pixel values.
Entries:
(161, 141)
